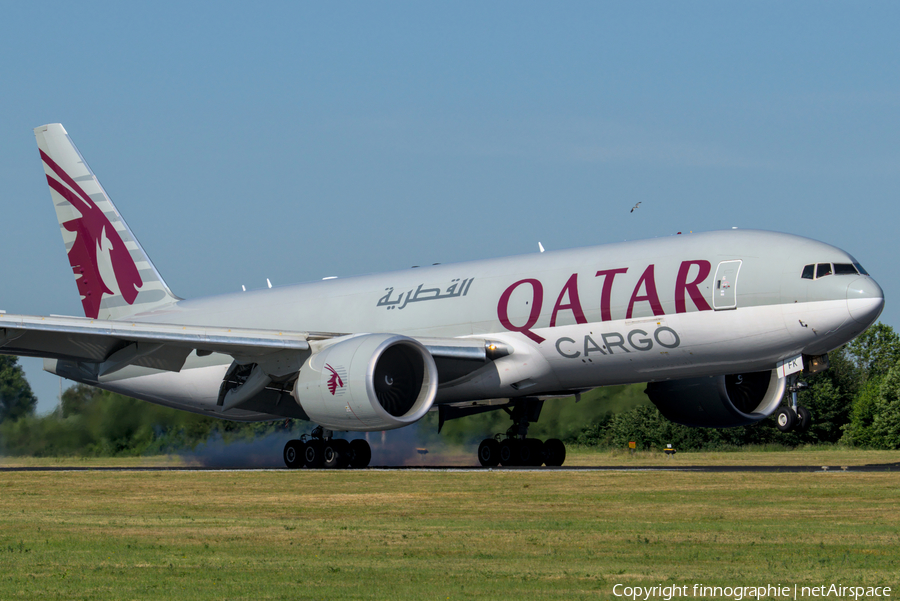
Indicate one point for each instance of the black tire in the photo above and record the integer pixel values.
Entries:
(804, 419)
(785, 419)
(331, 454)
(554, 452)
(532, 453)
(509, 452)
(314, 457)
(293, 454)
(489, 453)
(360, 453)
(345, 454)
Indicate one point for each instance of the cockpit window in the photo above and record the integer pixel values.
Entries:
(820, 270)
(844, 269)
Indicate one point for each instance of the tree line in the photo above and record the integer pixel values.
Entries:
(90, 422)
(854, 403)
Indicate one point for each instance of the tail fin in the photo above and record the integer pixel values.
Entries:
(114, 275)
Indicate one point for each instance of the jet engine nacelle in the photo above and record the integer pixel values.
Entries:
(367, 383)
(719, 401)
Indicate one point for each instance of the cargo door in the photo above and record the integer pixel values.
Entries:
(725, 285)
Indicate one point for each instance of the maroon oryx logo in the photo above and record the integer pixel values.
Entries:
(335, 381)
(95, 236)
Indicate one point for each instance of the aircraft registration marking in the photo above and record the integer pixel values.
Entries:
(790, 366)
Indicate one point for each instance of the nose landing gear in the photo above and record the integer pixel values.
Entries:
(516, 449)
(794, 417)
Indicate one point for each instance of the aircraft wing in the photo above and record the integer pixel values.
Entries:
(116, 344)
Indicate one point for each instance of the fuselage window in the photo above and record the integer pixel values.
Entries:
(860, 269)
(822, 270)
(844, 269)
(809, 272)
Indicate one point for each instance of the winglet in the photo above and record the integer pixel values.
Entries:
(115, 277)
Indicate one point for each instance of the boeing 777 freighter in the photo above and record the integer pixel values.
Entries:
(720, 325)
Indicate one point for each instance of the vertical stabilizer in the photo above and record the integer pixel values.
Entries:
(114, 275)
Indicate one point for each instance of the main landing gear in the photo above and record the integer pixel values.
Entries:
(516, 449)
(321, 450)
(794, 417)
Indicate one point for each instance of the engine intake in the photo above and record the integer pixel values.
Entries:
(719, 401)
(368, 382)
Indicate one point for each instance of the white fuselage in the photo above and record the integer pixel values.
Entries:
(669, 308)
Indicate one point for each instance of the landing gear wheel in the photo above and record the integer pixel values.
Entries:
(336, 454)
(313, 454)
(785, 419)
(489, 452)
(804, 419)
(554, 452)
(343, 447)
(531, 452)
(360, 453)
(509, 452)
(293, 454)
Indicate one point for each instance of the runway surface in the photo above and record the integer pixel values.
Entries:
(883, 467)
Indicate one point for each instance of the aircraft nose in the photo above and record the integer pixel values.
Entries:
(865, 300)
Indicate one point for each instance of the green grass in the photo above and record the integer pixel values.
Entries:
(815, 456)
(437, 535)
(448, 455)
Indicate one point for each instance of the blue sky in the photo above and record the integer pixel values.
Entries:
(294, 141)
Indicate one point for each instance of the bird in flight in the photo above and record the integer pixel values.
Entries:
(634, 207)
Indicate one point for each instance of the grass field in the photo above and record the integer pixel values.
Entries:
(576, 456)
(441, 535)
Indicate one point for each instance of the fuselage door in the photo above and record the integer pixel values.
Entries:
(725, 285)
